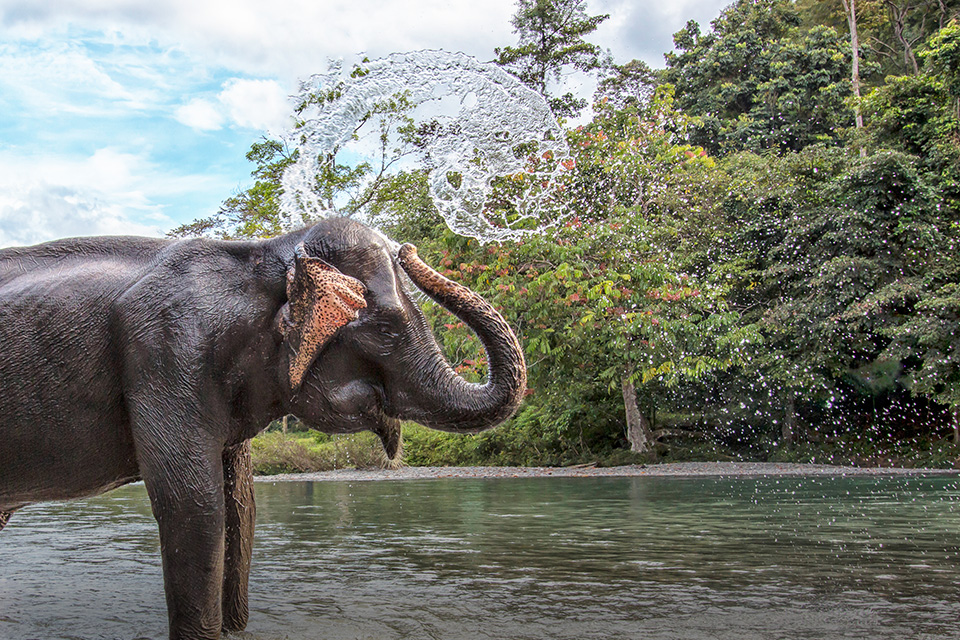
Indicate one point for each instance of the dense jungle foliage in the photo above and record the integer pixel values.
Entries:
(757, 250)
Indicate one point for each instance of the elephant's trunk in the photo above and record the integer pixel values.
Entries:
(443, 399)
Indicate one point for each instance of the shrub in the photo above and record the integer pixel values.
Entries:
(275, 452)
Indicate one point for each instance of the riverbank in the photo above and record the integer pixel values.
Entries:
(718, 469)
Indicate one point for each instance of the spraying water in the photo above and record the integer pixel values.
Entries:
(466, 122)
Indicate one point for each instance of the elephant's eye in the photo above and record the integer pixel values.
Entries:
(392, 312)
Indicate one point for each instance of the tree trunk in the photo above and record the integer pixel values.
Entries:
(788, 429)
(285, 418)
(638, 430)
(850, 8)
(944, 14)
(956, 424)
(898, 20)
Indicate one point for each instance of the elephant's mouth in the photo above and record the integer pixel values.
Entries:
(374, 418)
(358, 406)
(389, 432)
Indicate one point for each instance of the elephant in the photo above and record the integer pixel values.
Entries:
(151, 359)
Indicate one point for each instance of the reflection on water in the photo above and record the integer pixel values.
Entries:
(537, 558)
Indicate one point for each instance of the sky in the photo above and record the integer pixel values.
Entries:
(133, 117)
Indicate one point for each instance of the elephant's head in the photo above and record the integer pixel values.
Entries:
(361, 354)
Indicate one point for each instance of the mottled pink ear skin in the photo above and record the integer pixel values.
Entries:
(322, 300)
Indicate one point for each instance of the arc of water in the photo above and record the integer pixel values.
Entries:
(483, 115)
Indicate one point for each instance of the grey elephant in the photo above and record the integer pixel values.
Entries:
(135, 358)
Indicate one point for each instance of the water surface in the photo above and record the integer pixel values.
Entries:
(825, 557)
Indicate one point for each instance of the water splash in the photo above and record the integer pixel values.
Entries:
(477, 123)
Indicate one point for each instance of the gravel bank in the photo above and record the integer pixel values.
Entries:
(681, 469)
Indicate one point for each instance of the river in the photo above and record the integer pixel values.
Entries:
(539, 558)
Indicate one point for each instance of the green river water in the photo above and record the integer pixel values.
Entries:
(547, 558)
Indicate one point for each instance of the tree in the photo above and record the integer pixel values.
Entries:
(366, 187)
(871, 230)
(850, 8)
(551, 38)
(756, 82)
(898, 27)
(767, 195)
(919, 114)
(929, 340)
(942, 59)
(630, 83)
(620, 304)
(853, 263)
(255, 211)
(922, 113)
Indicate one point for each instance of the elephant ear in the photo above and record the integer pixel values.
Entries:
(321, 300)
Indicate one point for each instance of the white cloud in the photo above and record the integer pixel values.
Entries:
(289, 39)
(200, 114)
(644, 30)
(285, 38)
(46, 196)
(250, 104)
(114, 75)
(49, 80)
(113, 171)
(257, 104)
(42, 212)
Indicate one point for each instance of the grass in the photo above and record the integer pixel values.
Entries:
(305, 451)
(921, 452)
(300, 452)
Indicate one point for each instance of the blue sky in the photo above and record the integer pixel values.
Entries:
(132, 117)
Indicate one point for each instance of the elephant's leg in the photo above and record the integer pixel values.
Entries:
(183, 474)
(240, 513)
(4, 518)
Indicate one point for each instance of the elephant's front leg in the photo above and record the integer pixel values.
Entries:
(240, 512)
(184, 478)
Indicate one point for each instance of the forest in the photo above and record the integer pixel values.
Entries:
(755, 253)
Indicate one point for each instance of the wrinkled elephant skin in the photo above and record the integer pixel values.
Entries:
(135, 358)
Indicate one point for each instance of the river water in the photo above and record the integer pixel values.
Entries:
(574, 558)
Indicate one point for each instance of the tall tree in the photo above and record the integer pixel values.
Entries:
(757, 82)
(255, 211)
(920, 114)
(942, 59)
(850, 8)
(372, 189)
(622, 303)
(898, 27)
(625, 84)
(551, 38)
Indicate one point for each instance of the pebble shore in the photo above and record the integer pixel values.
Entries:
(680, 469)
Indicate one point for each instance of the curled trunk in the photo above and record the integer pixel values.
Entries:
(443, 400)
